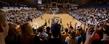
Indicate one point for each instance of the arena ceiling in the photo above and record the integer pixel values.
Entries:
(34, 2)
(47, 1)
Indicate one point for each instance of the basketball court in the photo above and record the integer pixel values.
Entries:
(65, 20)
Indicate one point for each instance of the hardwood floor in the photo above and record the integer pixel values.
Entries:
(66, 19)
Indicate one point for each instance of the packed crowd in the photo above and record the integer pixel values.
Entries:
(11, 33)
(90, 15)
(23, 15)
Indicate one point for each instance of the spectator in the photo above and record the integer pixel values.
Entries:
(3, 28)
(13, 37)
(27, 34)
(105, 39)
(71, 39)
